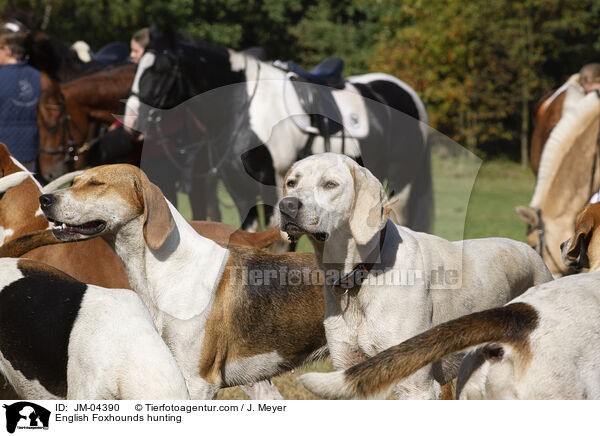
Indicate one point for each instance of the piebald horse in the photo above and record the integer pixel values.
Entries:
(568, 175)
(246, 133)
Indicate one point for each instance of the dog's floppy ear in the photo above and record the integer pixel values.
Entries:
(575, 250)
(158, 221)
(368, 216)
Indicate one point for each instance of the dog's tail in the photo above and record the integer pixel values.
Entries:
(265, 238)
(60, 181)
(510, 324)
(24, 244)
(12, 180)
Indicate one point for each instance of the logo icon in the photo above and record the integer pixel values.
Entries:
(26, 415)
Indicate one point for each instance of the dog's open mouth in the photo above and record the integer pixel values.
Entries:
(68, 231)
(295, 231)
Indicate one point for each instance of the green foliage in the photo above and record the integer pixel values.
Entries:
(480, 66)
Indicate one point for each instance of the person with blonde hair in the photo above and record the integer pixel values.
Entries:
(139, 42)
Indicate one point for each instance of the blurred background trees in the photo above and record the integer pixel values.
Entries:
(480, 66)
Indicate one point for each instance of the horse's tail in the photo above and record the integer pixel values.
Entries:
(24, 244)
(510, 324)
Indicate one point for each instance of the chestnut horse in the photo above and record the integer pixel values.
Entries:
(569, 173)
(68, 114)
(548, 113)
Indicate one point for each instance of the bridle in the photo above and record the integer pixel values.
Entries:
(541, 246)
(210, 141)
(67, 145)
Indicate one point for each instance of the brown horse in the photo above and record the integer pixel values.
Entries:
(568, 176)
(68, 114)
(549, 110)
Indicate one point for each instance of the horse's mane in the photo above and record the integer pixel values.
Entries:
(190, 45)
(574, 93)
(561, 142)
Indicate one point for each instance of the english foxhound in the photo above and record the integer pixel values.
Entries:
(387, 282)
(231, 316)
(61, 338)
(545, 344)
(582, 250)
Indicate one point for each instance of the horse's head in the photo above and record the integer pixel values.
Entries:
(59, 132)
(545, 233)
(174, 68)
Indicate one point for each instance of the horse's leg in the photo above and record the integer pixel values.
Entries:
(162, 173)
(204, 199)
(212, 199)
(198, 198)
(244, 191)
(200, 186)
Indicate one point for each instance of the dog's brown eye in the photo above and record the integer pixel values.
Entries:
(291, 183)
(95, 183)
(329, 185)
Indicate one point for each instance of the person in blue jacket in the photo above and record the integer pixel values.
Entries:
(20, 89)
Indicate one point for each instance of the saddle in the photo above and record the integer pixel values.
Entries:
(327, 73)
(330, 109)
(112, 53)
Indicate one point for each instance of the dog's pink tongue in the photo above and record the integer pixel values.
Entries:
(85, 229)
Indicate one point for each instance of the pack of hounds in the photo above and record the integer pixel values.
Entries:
(209, 308)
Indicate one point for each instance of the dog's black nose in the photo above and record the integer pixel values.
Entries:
(47, 200)
(290, 206)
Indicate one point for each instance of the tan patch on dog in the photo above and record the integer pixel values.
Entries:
(23, 244)
(120, 179)
(225, 234)
(585, 237)
(29, 267)
(254, 315)
(449, 391)
(18, 205)
(510, 324)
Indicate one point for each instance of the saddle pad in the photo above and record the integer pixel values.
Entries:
(350, 103)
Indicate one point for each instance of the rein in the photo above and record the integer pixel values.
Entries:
(209, 141)
(68, 146)
(541, 246)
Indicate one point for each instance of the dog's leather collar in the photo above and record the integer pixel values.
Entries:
(360, 272)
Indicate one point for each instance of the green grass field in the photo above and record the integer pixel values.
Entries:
(489, 210)
(499, 187)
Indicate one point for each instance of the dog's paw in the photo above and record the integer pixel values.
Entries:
(330, 385)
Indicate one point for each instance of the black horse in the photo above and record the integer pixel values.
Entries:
(246, 124)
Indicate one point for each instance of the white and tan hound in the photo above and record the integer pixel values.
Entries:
(389, 282)
(61, 338)
(545, 344)
(582, 250)
(231, 316)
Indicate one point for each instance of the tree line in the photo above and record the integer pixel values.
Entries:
(480, 66)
